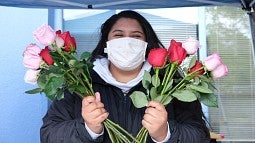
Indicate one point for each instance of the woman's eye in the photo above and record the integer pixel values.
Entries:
(118, 35)
(136, 36)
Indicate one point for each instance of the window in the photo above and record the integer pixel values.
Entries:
(228, 32)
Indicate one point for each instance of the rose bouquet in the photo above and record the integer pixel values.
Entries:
(56, 69)
(178, 74)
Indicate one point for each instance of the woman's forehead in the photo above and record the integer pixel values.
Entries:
(124, 24)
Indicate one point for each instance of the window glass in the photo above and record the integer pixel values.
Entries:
(228, 32)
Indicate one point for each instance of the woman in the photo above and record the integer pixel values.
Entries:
(117, 72)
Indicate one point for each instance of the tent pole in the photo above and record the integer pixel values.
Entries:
(252, 27)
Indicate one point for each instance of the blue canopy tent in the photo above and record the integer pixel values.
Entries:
(122, 4)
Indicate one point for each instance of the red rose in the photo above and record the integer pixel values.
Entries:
(157, 57)
(70, 43)
(176, 52)
(45, 54)
(197, 66)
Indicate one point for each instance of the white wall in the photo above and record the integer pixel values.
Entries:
(20, 114)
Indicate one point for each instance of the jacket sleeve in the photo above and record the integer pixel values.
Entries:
(62, 125)
(187, 124)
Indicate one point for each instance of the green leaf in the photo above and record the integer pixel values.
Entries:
(80, 89)
(60, 94)
(85, 56)
(86, 71)
(79, 65)
(200, 88)
(55, 70)
(196, 81)
(196, 93)
(68, 55)
(71, 88)
(72, 63)
(209, 100)
(185, 70)
(167, 100)
(53, 84)
(204, 84)
(153, 93)
(34, 91)
(139, 99)
(154, 79)
(185, 95)
(206, 78)
(146, 80)
(158, 98)
(56, 56)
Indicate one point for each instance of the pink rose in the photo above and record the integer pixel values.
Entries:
(45, 53)
(59, 42)
(191, 45)
(31, 57)
(31, 76)
(212, 61)
(176, 52)
(45, 35)
(157, 57)
(220, 71)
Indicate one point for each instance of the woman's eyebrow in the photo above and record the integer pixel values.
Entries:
(140, 32)
(116, 31)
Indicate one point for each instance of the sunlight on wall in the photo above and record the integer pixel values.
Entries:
(21, 114)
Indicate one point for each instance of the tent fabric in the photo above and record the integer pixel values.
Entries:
(122, 4)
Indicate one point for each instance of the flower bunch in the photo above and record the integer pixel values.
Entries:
(56, 69)
(178, 74)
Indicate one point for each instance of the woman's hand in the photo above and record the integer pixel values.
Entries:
(155, 120)
(93, 112)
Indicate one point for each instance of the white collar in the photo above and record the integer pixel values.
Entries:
(101, 67)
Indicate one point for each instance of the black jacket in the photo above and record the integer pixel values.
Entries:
(63, 122)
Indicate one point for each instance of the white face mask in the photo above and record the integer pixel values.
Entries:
(126, 53)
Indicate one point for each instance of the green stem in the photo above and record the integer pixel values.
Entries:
(138, 136)
(169, 75)
(165, 76)
(80, 95)
(121, 129)
(71, 76)
(110, 133)
(177, 85)
(59, 50)
(118, 135)
(88, 84)
(142, 135)
(181, 84)
(157, 72)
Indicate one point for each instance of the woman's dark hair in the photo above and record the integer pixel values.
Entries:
(150, 35)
